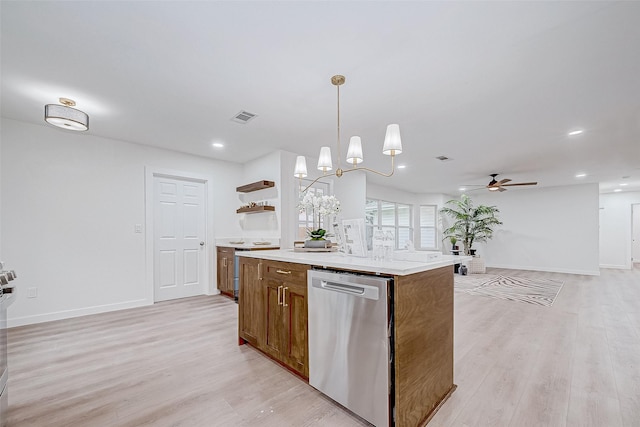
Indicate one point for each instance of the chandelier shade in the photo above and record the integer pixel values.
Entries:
(354, 153)
(392, 142)
(301, 167)
(324, 161)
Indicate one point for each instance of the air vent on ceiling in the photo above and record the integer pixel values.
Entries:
(443, 158)
(243, 117)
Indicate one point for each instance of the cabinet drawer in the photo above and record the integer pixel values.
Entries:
(224, 250)
(296, 273)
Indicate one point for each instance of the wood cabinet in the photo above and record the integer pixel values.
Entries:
(282, 314)
(225, 271)
(251, 313)
(285, 302)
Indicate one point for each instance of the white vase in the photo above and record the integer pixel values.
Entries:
(316, 243)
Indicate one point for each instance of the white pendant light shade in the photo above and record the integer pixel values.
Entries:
(66, 117)
(324, 162)
(301, 167)
(392, 143)
(354, 153)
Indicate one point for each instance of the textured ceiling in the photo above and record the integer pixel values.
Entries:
(495, 86)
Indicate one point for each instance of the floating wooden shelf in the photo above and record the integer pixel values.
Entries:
(255, 186)
(256, 209)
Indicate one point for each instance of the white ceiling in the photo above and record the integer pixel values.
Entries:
(495, 86)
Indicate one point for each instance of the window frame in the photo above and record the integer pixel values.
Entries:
(396, 227)
(434, 227)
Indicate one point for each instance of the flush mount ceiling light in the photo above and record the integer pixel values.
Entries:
(392, 146)
(65, 117)
(575, 132)
(581, 175)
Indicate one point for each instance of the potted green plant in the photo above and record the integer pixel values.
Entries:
(453, 240)
(470, 223)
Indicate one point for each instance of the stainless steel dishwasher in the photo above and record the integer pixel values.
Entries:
(350, 342)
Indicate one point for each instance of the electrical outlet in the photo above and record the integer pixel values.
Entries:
(137, 228)
(32, 292)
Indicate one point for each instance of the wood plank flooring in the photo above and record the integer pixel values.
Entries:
(177, 363)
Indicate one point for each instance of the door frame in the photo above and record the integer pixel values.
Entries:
(150, 174)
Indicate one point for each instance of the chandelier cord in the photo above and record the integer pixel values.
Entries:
(339, 154)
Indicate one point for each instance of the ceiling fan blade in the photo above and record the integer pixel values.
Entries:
(503, 181)
(520, 183)
(502, 189)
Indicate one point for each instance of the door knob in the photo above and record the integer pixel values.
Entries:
(201, 243)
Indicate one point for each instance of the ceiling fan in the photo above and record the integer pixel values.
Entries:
(494, 185)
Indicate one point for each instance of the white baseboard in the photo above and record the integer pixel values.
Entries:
(67, 314)
(550, 270)
(616, 266)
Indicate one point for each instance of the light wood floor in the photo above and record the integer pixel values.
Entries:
(576, 363)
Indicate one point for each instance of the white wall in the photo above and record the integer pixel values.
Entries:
(615, 229)
(351, 191)
(547, 229)
(262, 225)
(70, 202)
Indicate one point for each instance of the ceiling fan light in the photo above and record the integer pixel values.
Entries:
(494, 188)
(301, 167)
(354, 153)
(66, 117)
(392, 141)
(324, 162)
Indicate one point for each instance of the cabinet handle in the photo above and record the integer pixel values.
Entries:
(284, 297)
(283, 271)
(279, 295)
(224, 262)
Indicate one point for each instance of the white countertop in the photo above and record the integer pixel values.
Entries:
(341, 261)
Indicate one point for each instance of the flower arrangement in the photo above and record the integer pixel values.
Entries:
(319, 206)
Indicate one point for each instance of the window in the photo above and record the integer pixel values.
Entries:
(428, 226)
(306, 221)
(388, 216)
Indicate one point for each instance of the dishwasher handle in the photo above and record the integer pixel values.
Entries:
(355, 289)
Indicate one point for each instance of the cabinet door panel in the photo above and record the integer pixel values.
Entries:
(296, 329)
(250, 321)
(274, 325)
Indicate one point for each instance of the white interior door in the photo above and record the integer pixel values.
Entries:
(635, 229)
(179, 252)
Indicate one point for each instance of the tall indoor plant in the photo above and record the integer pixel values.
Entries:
(470, 223)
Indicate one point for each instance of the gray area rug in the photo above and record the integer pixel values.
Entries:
(521, 289)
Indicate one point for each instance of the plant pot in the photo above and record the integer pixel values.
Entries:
(316, 243)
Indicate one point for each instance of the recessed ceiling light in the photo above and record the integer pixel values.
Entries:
(623, 184)
(462, 189)
(617, 190)
(217, 145)
(402, 166)
(581, 175)
(575, 132)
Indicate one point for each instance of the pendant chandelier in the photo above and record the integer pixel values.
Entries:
(392, 147)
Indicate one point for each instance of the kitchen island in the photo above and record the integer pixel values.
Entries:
(273, 317)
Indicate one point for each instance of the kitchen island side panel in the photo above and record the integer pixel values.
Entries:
(423, 344)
